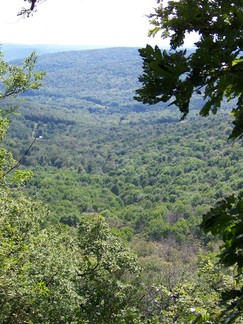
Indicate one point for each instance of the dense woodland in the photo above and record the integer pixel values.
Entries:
(119, 157)
(114, 211)
(119, 177)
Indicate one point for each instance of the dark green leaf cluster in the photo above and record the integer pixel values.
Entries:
(213, 69)
(226, 220)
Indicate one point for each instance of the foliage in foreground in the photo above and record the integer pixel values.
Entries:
(173, 76)
(226, 221)
(51, 275)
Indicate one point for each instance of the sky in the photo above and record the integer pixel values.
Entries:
(98, 23)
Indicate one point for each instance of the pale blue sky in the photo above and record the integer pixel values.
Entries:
(79, 22)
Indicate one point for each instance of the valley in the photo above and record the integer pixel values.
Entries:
(150, 175)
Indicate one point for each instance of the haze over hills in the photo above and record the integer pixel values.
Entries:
(92, 79)
(19, 51)
(98, 80)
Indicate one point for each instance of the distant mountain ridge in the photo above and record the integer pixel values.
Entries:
(19, 51)
(94, 79)
(97, 80)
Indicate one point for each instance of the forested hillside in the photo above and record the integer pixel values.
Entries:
(92, 79)
(150, 175)
(99, 151)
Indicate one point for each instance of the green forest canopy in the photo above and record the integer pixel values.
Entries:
(97, 286)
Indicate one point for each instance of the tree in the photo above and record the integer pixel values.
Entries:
(31, 8)
(55, 275)
(18, 79)
(226, 221)
(107, 277)
(13, 81)
(195, 300)
(214, 69)
(37, 265)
